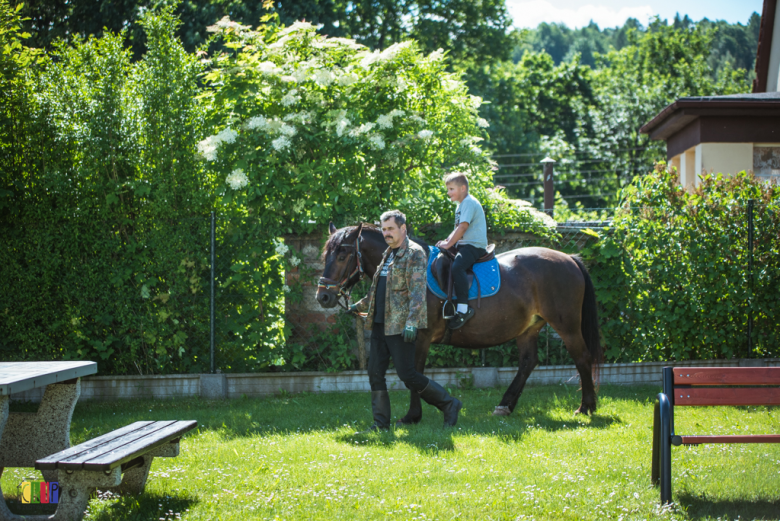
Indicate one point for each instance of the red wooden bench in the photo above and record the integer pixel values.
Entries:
(702, 386)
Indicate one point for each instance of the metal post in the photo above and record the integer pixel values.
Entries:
(750, 277)
(549, 192)
(212, 325)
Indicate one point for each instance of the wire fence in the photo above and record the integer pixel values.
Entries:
(186, 295)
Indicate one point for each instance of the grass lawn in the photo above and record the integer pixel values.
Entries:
(295, 457)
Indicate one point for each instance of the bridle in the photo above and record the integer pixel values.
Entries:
(343, 283)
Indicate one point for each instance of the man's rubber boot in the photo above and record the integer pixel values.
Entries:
(460, 319)
(380, 406)
(438, 396)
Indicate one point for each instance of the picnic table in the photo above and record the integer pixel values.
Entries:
(29, 436)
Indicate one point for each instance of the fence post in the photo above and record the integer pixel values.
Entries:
(750, 277)
(212, 325)
(549, 193)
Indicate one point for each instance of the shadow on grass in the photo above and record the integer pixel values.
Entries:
(550, 408)
(703, 508)
(143, 507)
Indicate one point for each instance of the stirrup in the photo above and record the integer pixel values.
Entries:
(444, 310)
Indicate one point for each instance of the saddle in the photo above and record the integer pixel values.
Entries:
(441, 268)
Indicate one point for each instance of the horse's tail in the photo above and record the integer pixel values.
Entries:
(590, 319)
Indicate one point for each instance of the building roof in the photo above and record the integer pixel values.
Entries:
(679, 114)
(764, 45)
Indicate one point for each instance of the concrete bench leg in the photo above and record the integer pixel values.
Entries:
(134, 479)
(75, 489)
(30, 436)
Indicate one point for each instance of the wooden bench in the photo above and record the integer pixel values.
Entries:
(703, 386)
(118, 461)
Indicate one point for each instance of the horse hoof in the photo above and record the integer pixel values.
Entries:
(502, 410)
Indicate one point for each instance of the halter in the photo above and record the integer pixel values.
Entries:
(343, 285)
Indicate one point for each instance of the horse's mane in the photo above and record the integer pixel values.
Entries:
(334, 241)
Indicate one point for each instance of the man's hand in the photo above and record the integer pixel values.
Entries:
(410, 334)
(443, 245)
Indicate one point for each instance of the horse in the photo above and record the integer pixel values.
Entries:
(538, 286)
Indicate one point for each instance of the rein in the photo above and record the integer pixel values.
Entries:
(343, 285)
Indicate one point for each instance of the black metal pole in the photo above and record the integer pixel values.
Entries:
(750, 277)
(549, 190)
(213, 277)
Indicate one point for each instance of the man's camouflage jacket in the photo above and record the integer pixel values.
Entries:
(405, 301)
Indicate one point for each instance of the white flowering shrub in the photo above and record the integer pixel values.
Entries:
(324, 129)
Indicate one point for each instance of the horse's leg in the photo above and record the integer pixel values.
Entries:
(422, 345)
(575, 345)
(526, 347)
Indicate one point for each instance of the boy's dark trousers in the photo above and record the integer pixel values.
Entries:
(466, 257)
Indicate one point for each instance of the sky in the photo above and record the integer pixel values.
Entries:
(612, 13)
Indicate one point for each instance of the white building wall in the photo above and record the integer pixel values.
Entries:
(773, 77)
(724, 158)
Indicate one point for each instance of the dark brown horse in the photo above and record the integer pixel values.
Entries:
(538, 286)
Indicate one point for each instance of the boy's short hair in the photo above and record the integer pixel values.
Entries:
(400, 218)
(457, 178)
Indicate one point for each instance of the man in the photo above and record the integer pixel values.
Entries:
(396, 309)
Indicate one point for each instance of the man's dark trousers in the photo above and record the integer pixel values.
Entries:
(383, 348)
(466, 257)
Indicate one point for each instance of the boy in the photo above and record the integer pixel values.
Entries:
(470, 235)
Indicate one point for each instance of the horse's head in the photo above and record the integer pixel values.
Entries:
(343, 264)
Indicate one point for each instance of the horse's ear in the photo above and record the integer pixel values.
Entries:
(359, 228)
(332, 228)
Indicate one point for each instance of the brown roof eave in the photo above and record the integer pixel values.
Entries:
(764, 45)
(659, 126)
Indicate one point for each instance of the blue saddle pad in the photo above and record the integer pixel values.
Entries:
(487, 272)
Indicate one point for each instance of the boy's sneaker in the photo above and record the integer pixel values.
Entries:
(460, 319)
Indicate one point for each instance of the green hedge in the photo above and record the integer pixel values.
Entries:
(672, 273)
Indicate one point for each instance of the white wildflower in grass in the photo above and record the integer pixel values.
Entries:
(237, 179)
(345, 80)
(362, 129)
(376, 141)
(288, 130)
(286, 288)
(291, 98)
(323, 77)
(401, 85)
(281, 248)
(268, 69)
(294, 261)
(425, 134)
(257, 122)
(414, 118)
(475, 150)
(289, 79)
(273, 126)
(385, 121)
(482, 123)
(301, 74)
(397, 112)
(281, 143)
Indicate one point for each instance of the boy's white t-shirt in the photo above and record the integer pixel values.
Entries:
(470, 211)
